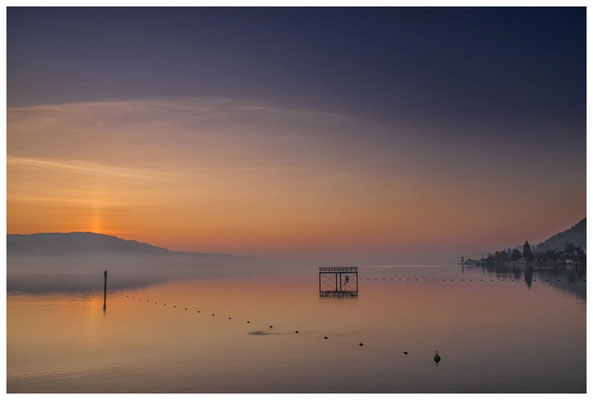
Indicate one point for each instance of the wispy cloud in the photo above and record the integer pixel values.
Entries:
(80, 167)
(194, 105)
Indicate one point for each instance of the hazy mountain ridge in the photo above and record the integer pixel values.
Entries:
(75, 243)
(75, 261)
(576, 234)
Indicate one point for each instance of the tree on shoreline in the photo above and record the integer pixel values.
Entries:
(515, 255)
(571, 254)
(527, 254)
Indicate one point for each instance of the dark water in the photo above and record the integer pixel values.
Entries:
(496, 330)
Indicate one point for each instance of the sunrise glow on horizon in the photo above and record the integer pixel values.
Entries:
(393, 166)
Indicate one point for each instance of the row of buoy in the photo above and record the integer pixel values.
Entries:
(466, 280)
(214, 314)
(436, 358)
(185, 308)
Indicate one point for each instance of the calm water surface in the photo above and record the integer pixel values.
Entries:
(496, 331)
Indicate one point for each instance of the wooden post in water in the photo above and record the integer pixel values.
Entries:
(105, 291)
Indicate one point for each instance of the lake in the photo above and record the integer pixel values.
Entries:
(496, 330)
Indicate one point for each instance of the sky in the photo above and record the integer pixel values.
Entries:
(400, 135)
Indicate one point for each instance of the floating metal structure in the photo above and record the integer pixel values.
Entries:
(338, 281)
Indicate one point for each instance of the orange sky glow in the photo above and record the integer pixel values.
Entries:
(235, 177)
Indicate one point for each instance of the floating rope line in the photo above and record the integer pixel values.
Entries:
(383, 279)
(471, 280)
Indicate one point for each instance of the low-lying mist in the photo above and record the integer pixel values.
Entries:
(84, 272)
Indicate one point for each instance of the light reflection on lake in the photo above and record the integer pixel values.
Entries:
(496, 331)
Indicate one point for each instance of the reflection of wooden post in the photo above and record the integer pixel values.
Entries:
(105, 291)
(320, 282)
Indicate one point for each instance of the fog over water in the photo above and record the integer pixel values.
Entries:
(183, 322)
(496, 331)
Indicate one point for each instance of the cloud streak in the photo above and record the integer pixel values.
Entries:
(80, 167)
(227, 175)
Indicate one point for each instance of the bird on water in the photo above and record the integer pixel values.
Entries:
(437, 358)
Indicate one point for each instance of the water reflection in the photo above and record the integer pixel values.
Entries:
(567, 278)
(153, 339)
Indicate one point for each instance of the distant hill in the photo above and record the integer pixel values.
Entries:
(576, 235)
(78, 243)
(75, 261)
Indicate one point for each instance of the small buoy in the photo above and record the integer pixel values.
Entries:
(405, 352)
(360, 344)
(437, 358)
(271, 326)
(325, 337)
(296, 331)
